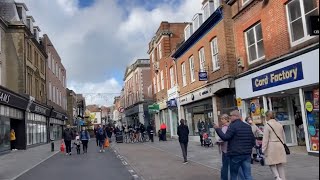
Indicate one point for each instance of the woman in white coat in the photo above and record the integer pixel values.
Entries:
(273, 149)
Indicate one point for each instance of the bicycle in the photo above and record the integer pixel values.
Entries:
(144, 137)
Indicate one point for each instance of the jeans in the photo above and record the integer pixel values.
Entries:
(243, 162)
(184, 148)
(85, 145)
(225, 166)
(68, 146)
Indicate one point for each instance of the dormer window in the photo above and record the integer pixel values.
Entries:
(209, 8)
(22, 12)
(30, 22)
(197, 21)
(187, 32)
(36, 31)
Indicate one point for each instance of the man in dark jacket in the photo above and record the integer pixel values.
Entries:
(150, 132)
(240, 143)
(183, 133)
(67, 138)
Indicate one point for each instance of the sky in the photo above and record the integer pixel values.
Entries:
(98, 39)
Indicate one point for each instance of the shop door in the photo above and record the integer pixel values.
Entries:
(283, 108)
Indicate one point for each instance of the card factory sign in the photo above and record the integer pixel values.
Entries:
(278, 77)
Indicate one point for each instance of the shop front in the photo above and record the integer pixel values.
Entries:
(172, 105)
(57, 122)
(36, 124)
(137, 113)
(290, 89)
(12, 108)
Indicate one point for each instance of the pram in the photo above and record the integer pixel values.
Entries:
(206, 140)
(258, 148)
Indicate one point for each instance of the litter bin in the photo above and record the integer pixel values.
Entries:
(119, 137)
(52, 145)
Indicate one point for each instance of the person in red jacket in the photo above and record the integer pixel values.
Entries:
(163, 129)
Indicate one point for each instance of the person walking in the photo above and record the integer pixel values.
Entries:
(224, 148)
(85, 138)
(150, 132)
(163, 129)
(240, 143)
(13, 140)
(101, 136)
(272, 146)
(95, 135)
(257, 133)
(201, 129)
(67, 138)
(183, 133)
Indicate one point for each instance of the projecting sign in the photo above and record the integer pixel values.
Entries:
(314, 24)
(203, 76)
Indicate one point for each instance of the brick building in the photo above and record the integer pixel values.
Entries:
(163, 68)
(206, 67)
(137, 82)
(278, 65)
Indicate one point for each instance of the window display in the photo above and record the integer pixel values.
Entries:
(4, 134)
(36, 129)
(312, 110)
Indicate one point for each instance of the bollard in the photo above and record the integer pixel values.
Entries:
(52, 145)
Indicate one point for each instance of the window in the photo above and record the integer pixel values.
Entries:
(57, 96)
(202, 60)
(57, 69)
(299, 12)
(53, 94)
(29, 84)
(171, 77)
(50, 91)
(244, 2)
(49, 60)
(29, 55)
(191, 64)
(187, 31)
(53, 65)
(42, 66)
(63, 81)
(159, 51)
(0, 73)
(152, 56)
(197, 21)
(162, 80)
(37, 88)
(215, 53)
(184, 75)
(254, 42)
(206, 12)
(42, 92)
(154, 85)
(36, 59)
(0, 41)
(158, 83)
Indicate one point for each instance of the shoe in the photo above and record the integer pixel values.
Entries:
(67, 154)
(103, 151)
(100, 150)
(70, 153)
(185, 162)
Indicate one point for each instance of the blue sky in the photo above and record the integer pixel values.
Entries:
(85, 3)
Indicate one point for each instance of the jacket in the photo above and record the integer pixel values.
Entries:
(12, 136)
(183, 133)
(84, 135)
(271, 146)
(67, 135)
(240, 138)
(101, 137)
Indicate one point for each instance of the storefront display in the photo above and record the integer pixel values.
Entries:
(312, 110)
(4, 133)
(36, 129)
(56, 129)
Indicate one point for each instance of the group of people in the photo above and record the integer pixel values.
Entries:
(237, 140)
(140, 128)
(83, 137)
(103, 133)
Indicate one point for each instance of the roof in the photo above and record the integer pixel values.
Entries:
(8, 10)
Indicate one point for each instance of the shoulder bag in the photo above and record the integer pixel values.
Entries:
(286, 148)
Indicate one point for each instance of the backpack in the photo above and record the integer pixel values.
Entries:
(100, 131)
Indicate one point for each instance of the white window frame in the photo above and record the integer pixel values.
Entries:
(187, 32)
(57, 69)
(192, 72)
(171, 77)
(0, 70)
(158, 83)
(304, 22)
(49, 60)
(152, 56)
(256, 44)
(53, 66)
(154, 85)
(245, 2)
(160, 51)
(50, 91)
(206, 11)
(202, 60)
(215, 54)
(53, 94)
(0, 41)
(183, 74)
(162, 80)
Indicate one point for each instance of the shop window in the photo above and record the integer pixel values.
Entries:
(4, 134)
(312, 110)
(215, 54)
(256, 111)
(254, 43)
(299, 12)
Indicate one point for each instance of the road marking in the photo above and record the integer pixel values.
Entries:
(16, 177)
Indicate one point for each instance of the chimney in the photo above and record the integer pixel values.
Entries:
(30, 22)
(22, 12)
(36, 31)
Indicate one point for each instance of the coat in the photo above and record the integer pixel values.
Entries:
(183, 133)
(271, 146)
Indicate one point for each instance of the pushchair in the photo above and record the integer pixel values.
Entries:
(258, 148)
(207, 142)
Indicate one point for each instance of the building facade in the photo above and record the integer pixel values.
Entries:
(206, 67)
(279, 65)
(163, 70)
(137, 80)
(72, 106)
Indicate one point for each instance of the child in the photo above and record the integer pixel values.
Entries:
(77, 143)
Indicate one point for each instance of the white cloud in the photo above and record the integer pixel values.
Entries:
(98, 42)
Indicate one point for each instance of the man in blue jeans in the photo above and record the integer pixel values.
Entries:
(240, 143)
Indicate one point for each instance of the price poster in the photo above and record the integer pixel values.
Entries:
(255, 111)
(316, 99)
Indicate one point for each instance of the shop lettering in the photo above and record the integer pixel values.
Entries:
(59, 116)
(40, 110)
(279, 77)
(5, 98)
(205, 92)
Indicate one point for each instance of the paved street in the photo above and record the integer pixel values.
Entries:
(93, 166)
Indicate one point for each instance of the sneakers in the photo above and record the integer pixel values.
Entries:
(103, 151)
(100, 150)
(185, 162)
(67, 154)
(70, 153)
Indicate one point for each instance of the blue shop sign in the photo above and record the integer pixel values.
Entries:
(203, 76)
(172, 103)
(278, 77)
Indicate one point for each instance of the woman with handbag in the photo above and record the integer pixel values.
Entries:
(273, 146)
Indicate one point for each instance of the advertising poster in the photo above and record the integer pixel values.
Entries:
(316, 99)
(255, 111)
(315, 141)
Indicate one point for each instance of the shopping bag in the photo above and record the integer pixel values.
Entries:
(62, 147)
(106, 143)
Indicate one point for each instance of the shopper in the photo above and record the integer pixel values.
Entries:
(95, 135)
(272, 146)
(257, 133)
(163, 129)
(224, 148)
(183, 133)
(201, 130)
(240, 143)
(101, 136)
(67, 138)
(13, 140)
(150, 132)
(84, 137)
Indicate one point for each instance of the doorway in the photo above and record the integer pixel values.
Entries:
(19, 129)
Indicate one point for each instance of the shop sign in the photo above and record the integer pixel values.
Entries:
(255, 111)
(35, 108)
(203, 76)
(173, 93)
(309, 106)
(172, 103)
(121, 109)
(4, 97)
(13, 100)
(316, 99)
(314, 24)
(278, 77)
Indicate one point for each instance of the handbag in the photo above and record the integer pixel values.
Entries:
(286, 148)
(106, 143)
(62, 146)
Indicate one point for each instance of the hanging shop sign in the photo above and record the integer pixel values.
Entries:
(203, 76)
(239, 102)
(278, 77)
(172, 103)
(310, 118)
